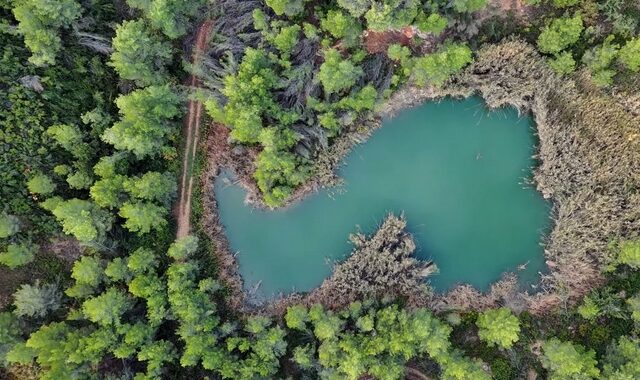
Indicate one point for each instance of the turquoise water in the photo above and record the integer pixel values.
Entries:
(458, 172)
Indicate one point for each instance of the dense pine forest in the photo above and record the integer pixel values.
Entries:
(94, 283)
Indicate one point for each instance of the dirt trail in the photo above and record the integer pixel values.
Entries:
(191, 134)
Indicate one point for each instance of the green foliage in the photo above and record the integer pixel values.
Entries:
(80, 180)
(629, 253)
(337, 74)
(70, 138)
(287, 39)
(152, 186)
(560, 34)
(391, 14)
(437, 68)
(36, 300)
(9, 225)
(18, 254)
(498, 327)
(589, 310)
(341, 25)
(172, 17)
(629, 54)
(139, 55)
(39, 21)
(88, 273)
(107, 308)
(141, 217)
(468, 6)
(41, 184)
(457, 367)
(296, 317)
(145, 122)
(623, 360)
(117, 270)
(289, 8)
(182, 248)
(599, 58)
(356, 8)
(566, 361)
(563, 63)
(633, 303)
(9, 335)
(434, 23)
(564, 3)
(108, 192)
(82, 219)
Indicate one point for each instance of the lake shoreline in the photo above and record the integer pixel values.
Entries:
(573, 270)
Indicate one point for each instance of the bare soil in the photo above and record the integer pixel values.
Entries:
(191, 134)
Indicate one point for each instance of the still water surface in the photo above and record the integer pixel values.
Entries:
(457, 170)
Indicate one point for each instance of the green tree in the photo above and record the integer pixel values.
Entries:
(564, 3)
(80, 180)
(296, 317)
(589, 309)
(457, 367)
(9, 335)
(182, 248)
(107, 308)
(108, 192)
(629, 54)
(70, 138)
(598, 59)
(88, 272)
(139, 55)
(290, 8)
(633, 303)
(18, 254)
(434, 23)
(156, 354)
(468, 6)
(287, 39)
(82, 219)
(356, 8)
(563, 63)
(391, 14)
(9, 225)
(337, 74)
(152, 186)
(498, 327)
(145, 121)
(172, 17)
(629, 253)
(341, 25)
(36, 300)
(117, 270)
(141, 217)
(39, 22)
(623, 360)
(437, 68)
(566, 361)
(41, 184)
(560, 34)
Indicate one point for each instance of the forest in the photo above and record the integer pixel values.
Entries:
(94, 283)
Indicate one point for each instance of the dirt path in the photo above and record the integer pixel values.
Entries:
(191, 135)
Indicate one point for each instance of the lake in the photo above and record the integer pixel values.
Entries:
(458, 171)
